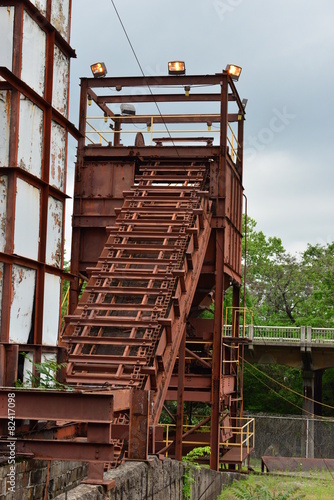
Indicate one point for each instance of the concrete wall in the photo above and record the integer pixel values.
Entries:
(31, 477)
(285, 435)
(154, 480)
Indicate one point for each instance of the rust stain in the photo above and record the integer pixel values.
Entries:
(53, 168)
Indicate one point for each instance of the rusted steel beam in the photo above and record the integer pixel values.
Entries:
(139, 425)
(47, 449)
(86, 339)
(66, 406)
(213, 97)
(175, 80)
(180, 399)
(219, 294)
(152, 152)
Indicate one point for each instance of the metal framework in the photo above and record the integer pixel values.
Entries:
(163, 221)
(34, 127)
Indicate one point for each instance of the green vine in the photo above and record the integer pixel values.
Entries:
(190, 461)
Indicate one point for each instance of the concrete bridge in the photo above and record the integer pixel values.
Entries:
(309, 349)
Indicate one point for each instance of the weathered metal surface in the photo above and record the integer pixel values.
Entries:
(57, 156)
(30, 146)
(6, 36)
(27, 220)
(60, 17)
(1, 288)
(300, 464)
(139, 425)
(54, 241)
(3, 211)
(5, 96)
(40, 4)
(63, 406)
(22, 303)
(52, 291)
(33, 54)
(60, 81)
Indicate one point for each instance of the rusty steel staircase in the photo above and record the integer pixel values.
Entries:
(127, 328)
(157, 231)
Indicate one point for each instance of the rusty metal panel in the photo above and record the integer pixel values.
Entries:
(1, 286)
(27, 215)
(40, 4)
(30, 146)
(23, 292)
(5, 96)
(33, 54)
(51, 309)
(57, 156)
(3, 211)
(60, 16)
(6, 36)
(60, 81)
(54, 246)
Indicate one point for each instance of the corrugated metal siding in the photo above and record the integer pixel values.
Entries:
(30, 147)
(57, 156)
(60, 17)
(1, 286)
(40, 4)
(23, 292)
(55, 232)
(6, 36)
(5, 96)
(33, 54)
(27, 213)
(60, 81)
(51, 309)
(3, 212)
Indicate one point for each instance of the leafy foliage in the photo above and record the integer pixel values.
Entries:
(283, 289)
(191, 458)
(45, 377)
(246, 491)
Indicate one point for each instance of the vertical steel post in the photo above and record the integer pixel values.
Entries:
(180, 398)
(219, 296)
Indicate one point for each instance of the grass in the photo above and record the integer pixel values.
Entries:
(313, 486)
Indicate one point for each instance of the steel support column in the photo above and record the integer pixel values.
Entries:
(180, 398)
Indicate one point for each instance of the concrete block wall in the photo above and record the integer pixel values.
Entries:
(154, 480)
(31, 477)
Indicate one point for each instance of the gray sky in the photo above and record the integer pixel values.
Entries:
(286, 50)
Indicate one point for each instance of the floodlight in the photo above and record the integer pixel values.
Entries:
(176, 68)
(99, 69)
(233, 71)
(244, 103)
(128, 109)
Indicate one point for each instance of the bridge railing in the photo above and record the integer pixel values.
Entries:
(321, 335)
(284, 334)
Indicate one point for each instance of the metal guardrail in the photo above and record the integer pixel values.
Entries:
(284, 334)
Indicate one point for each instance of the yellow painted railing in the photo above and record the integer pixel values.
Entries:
(243, 435)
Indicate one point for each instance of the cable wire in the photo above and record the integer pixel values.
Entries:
(306, 398)
(142, 72)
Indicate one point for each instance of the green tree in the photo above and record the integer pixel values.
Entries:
(276, 282)
(319, 267)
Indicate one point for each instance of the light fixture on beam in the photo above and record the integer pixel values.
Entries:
(176, 68)
(234, 71)
(99, 69)
(128, 109)
(244, 103)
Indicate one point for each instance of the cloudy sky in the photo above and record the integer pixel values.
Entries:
(286, 50)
